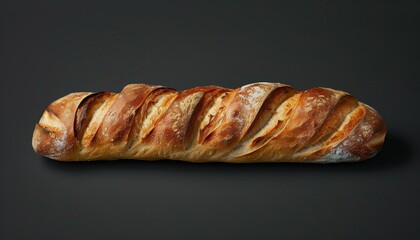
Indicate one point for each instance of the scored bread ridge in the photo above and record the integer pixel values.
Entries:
(259, 122)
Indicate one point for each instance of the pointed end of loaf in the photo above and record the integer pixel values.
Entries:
(369, 136)
(363, 142)
(53, 136)
(51, 143)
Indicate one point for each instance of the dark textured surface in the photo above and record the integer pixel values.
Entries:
(49, 49)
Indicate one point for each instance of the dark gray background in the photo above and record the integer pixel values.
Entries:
(50, 48)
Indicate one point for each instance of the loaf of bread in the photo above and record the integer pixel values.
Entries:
(260, 122)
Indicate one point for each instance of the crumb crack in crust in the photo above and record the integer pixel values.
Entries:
(259, 122)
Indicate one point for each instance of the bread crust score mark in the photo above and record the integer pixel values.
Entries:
(259, 122)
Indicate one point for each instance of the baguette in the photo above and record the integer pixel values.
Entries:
(259, 122)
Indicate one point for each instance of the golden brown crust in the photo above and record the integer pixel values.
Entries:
(260, 122)
(54, 134)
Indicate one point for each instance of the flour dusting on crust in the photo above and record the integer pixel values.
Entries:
(338, 154)
(252, 97)
(59, 145)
